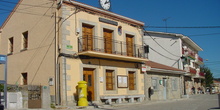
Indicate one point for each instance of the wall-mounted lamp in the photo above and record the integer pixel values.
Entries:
(51, 81)
(77, 31)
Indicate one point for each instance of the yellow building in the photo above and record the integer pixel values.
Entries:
(59, 45)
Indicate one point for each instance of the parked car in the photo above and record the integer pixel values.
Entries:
(213, 90)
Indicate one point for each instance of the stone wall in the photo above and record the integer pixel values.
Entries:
(165, 86)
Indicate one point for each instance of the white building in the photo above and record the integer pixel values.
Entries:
(177, 51)
(164, 48)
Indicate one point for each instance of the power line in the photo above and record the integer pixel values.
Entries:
(214, 62)
(203, 34)
(162, 54)
(183, 27)
(215, 69)
(30, 6)
(7, 6)
(161, 45)
(35, 74)
(4, 12)
(37, 49)
(31, 13)
(40, 45)
(40, 5)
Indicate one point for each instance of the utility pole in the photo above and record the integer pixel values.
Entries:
(165, 20)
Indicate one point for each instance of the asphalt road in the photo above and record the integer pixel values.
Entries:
(195, 102)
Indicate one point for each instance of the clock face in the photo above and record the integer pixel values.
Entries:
(105, 4)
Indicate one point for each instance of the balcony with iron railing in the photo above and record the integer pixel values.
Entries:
(202, 74)
(199, 75)
(189, 52)
(110, 49)
(190, 70)
(199, 60)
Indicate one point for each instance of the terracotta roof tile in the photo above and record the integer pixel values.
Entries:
(161, 66)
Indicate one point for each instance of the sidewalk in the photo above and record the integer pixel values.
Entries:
(113, 106)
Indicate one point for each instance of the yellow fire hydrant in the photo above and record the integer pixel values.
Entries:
(82, 93)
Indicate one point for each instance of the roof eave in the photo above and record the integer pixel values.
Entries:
(166, 71)
(184, 38)
(105, 12)
(12, 12)
(163, 33)
(190, 42)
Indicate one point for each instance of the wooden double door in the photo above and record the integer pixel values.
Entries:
(88, 76)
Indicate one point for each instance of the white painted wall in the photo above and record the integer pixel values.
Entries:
(169, 50)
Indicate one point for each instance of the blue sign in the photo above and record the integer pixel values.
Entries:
(2, 59)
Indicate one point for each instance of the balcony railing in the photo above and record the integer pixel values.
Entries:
(201, 74)
(189, 52)
(109, 46)
(190, 70)
(200, 59)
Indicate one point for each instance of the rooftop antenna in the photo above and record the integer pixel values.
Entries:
(165, 20)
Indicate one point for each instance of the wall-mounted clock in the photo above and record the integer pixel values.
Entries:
(105, 4)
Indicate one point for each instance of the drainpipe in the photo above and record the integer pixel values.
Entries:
(145, 86)
(145, 73)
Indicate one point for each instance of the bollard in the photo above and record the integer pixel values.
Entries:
(82, 93)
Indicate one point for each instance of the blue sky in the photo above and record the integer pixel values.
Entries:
(179, 13)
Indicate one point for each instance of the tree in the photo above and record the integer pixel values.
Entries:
(208, 76)
(1, 87)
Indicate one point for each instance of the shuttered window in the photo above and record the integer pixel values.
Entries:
(110, 77)
(131, 80)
